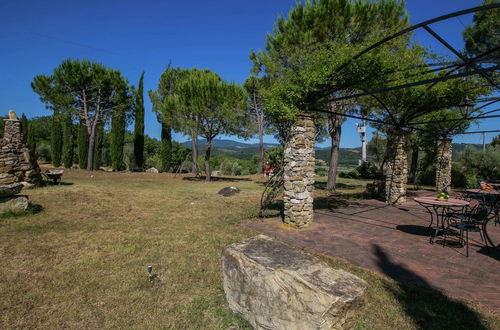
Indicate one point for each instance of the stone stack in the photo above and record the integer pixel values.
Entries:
(443, 166)
(17, 163)
(397, 169)
(298, 176)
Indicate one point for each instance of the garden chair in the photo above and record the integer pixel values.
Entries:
(471, 221)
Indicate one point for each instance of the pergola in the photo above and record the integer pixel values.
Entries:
(298, 174)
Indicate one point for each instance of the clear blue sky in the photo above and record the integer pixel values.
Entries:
(132, 36)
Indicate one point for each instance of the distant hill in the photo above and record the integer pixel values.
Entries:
(348, 156)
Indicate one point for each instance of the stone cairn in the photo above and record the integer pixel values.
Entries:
(18, 167)
(443, 168)
(298, 175)
(397, 169)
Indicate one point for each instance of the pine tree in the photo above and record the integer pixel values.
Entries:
(56, 140)
(24, 127)
(117, 139)
(82, 145)
(68, 141)
(139, 124)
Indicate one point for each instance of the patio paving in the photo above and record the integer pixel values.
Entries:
(394, 241)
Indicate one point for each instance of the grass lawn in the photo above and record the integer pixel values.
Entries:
(81, 261)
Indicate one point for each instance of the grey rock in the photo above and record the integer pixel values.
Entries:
(10, 189)
(152, 170)
(275, 286)
(228, 191)
(14, 204)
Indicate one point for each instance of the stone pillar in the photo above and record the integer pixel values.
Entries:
(397, 168)
(443, 165)
(298, 173)
(17, 163)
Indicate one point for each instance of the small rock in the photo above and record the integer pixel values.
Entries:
(10, 189)
(13, 204)
(228, 191)
(152, 170)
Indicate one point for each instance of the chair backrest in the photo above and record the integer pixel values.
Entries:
(481, 214)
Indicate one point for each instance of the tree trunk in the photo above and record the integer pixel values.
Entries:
(194, 145)
(261, 140)
(414, 162)
(208, 172)
(335, 130)
(90, 151)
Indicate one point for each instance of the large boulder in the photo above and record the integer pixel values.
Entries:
(7, 190)
(14, 204)
(275, 286)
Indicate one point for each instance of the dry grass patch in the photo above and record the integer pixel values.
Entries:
(81, 262)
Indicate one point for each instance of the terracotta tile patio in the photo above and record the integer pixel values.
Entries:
(391, 239)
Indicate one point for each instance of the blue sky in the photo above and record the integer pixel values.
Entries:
(145, 35)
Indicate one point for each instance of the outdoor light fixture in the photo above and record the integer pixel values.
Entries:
(150, 272)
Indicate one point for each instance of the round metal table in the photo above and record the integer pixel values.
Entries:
(439, 208)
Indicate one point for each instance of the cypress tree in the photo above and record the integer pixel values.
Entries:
(117, 139)
(139, 124)
(82, 145)
(24, 127)
(166, 147)
(98, 147)
(30, 140)
(68, 141)
(56, 140)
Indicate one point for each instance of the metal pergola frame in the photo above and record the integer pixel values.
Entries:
(468, 67)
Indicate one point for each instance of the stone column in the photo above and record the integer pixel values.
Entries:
(443, 165)
(397, 168)
(298, 173)
(17, 163)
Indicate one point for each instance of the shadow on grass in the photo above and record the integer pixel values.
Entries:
(429, 308)
(214, 178)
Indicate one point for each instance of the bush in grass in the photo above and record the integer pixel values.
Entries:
(43, 151)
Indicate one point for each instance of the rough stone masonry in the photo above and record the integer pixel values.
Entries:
(443, 166)
(298, 175)
(17, 163)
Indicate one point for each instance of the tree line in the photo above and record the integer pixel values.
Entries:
(296, 72)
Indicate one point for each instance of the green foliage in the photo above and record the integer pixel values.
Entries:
(30, 140)
(98, 147)
(305, 51)
(485, 164)
(56, 140)
(364, 171)
(205, 105)
(68, 145)
(168, 156)
(495, 141)
(43, 151)
(483, 35)
(82, 142)
(24, 127)
(87, 90)
(139, 124)
(274, 156)
(118, 124)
